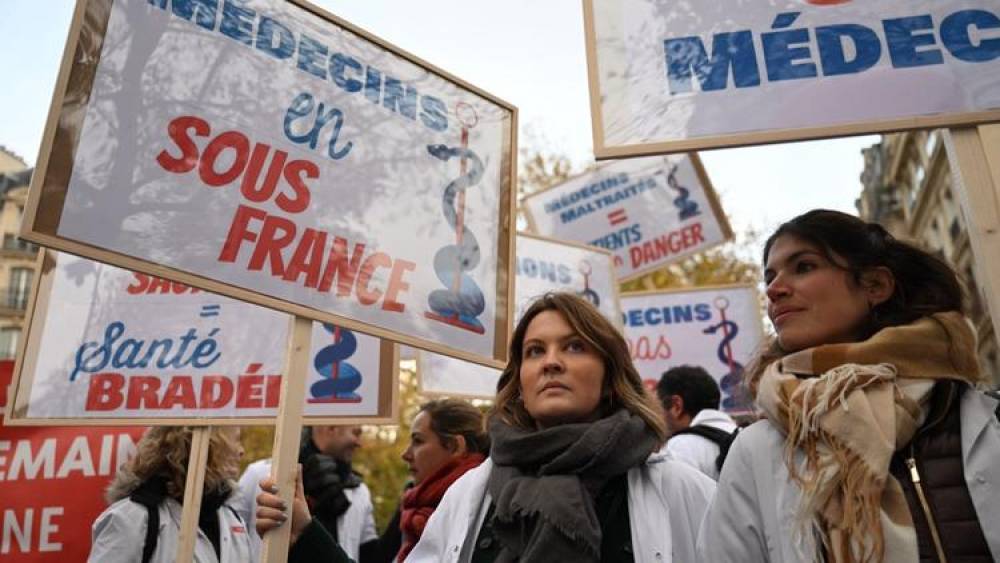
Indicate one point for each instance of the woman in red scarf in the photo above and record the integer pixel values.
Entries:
(447, 439)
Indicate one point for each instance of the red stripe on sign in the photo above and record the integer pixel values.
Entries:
(617, 216)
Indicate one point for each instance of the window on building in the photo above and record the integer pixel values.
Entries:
(9, 336)
(20, 287)
(930, 143)
(13, 242)
(919, 173)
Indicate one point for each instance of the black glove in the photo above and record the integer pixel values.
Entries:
(324, 486)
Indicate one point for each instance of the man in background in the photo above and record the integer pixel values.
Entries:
(700, 434)
(337, 497)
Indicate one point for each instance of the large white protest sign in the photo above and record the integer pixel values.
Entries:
(106, 345)
(677, 76)
(648, 211)
(718, 329)
(273, 153)
(541, 265)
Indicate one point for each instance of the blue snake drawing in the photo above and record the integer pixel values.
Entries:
(340, 378)
(465, 302)
(683, 201)
(737, 397)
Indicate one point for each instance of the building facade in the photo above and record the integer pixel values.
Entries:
(907, 188)
(17, 257)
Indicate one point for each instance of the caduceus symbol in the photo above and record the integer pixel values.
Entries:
(462, 302)
(340, 379)
(731, 383)
(585, 270)
(682, 202)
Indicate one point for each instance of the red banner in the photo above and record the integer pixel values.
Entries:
(52, 482)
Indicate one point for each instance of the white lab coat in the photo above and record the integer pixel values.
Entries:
(697, 451)
(751, 518)
(354, 527)
(666, 501)
(119, 535)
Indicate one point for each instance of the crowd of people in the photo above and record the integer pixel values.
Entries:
(874, 442)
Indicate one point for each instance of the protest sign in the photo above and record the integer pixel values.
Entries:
(541, 265)
(105, 345)
(681, 76)
(271, 152)
(53, 482)
(716, 328)
(648, 212)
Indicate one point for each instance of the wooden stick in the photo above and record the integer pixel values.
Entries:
(191, 510)
(287, 432)
(974, 155)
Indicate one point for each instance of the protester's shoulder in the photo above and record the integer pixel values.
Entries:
(364, 491)
(473, 479)
(124, 514)
(685, 442)
(258, 466)
(976, 401)
(667, 471)
(250, 480)
(759, 439)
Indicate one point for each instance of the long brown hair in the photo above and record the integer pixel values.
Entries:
(623, 386)
(164, 451)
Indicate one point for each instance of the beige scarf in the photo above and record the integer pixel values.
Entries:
(848, 408)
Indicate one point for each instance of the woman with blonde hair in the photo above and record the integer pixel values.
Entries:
(877, 447)
(572, 473)
(143, 522)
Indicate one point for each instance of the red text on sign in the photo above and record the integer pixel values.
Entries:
(320, 258)
(667, 244)
(143, 284)
(229, 156)
(110, 391)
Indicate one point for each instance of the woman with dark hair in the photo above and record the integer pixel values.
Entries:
(572, 474)
(143, 522)
(877, 447)
(447, 439)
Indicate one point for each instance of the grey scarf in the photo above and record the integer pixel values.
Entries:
(544, 484)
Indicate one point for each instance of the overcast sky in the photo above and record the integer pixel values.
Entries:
(527, 52)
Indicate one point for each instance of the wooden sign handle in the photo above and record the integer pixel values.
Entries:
(287, 433)
(197, 460)
(974, 155)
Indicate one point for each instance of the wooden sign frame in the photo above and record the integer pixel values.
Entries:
(61, 137)
(710, 194)
(603, 151)
(29, 350)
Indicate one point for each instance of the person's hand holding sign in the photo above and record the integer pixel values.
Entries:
(271, 510)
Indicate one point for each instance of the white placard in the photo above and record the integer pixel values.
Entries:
(260, 150)
(541, 265)
(107, 344)
(674, 76)
(718, 329)
(648, 211)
